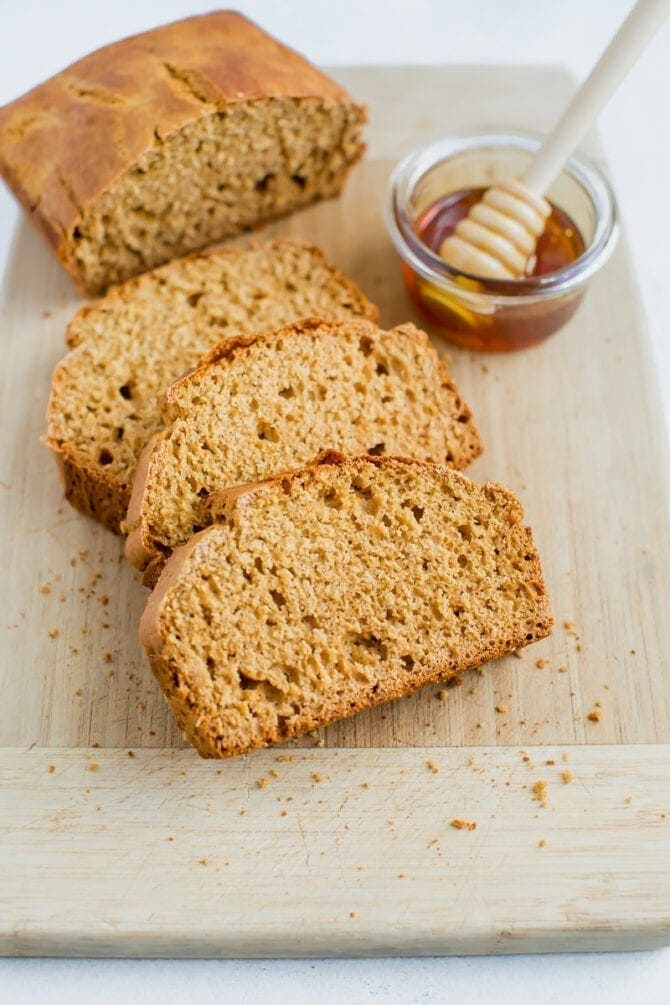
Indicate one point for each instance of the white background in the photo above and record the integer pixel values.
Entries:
(39, 37)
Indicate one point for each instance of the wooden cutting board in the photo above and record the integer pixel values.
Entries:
(117, 840)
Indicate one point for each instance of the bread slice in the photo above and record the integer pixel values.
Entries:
(325, 592)
(171, 140)
(130, 346)
(273, 402)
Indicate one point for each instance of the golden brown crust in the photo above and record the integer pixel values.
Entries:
(89, 490)
(138, 552)
(64, 143)
(348, 700)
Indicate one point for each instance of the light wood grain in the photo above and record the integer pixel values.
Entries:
(574, 426)
(163, 854)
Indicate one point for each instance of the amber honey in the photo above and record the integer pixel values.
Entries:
(523, 319)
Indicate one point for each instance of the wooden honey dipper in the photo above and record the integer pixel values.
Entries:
(498, 237)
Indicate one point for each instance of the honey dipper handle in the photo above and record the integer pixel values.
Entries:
(621, 54)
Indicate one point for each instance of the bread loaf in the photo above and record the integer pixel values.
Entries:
(171, 140)
(131, 345)
(273, 402)
(330, 590)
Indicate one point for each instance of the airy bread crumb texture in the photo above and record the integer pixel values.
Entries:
(227, 171)
(336, 588)
(272, 404)
(131, 345)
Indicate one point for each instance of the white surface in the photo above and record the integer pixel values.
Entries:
(40, 37)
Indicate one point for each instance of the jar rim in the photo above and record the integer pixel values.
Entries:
(427, 263)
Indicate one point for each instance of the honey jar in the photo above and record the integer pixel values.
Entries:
(435, 186)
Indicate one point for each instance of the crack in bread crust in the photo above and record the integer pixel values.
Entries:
(169, 140)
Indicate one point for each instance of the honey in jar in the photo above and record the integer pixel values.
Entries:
(517, 319)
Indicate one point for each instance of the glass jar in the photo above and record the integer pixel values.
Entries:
(493, 314)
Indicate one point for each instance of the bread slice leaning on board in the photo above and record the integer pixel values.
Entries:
(332, 589)
(274, 401)
(171, 140)
(130, 346)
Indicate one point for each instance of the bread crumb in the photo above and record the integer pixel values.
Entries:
(52, 768)
(540, 792)
(365, 785)
(79, 692)
(518, 653)
(501, 708)
(562, 669)
(46, 589)
(632, 652)
(320, 743)
(550, 760)
(442, 694)
(595, 716)
(542, 842)
(284, 813)
(203, 861)
(464, 825)
(541, 664)
(317, 777)
(170, 838)
(94, 766)
(564, 757)
(261, 783)
(352, 914)
(274, 772)
(567, 777)
(401, 875)
(131, 753)
(53, 633)
(628, 799)
(288, 758)
(106, 657)
(432, 766)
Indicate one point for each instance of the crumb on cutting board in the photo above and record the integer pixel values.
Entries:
(539, 791)
(463, 825)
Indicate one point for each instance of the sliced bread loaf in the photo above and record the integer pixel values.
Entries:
(333, 589)
(130, 346)
(171, 140)
(273, 402)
